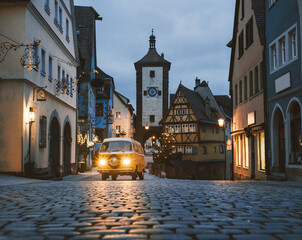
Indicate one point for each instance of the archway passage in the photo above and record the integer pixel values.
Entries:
(67, 150)
(295, 133)
(54, 148)
(279, 142)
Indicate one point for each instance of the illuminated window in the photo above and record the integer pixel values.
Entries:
(245, 148)
(192, 127)
(118, 115)
(261, 150)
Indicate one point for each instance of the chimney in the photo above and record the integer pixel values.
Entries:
(207, 106)
(162, 55)
(197, 82)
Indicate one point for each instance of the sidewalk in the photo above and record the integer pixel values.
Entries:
(6, 180)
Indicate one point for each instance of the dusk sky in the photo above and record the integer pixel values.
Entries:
(191, 33)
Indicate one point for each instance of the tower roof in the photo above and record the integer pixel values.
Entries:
(152, 58)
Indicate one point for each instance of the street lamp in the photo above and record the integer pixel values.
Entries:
(31, 120)
(221, 122)
(147, 127)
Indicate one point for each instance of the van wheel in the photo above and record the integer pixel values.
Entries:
(114, 177)
(141, 175)
(134, 176)
(104, 177)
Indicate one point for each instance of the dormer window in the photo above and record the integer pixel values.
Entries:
(180, 93)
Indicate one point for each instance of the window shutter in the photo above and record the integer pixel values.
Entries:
(43, 123)
(194, 150)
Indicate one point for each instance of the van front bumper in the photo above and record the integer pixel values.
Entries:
(120, 171)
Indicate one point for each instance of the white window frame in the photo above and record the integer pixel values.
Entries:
(188, 150)
(178, 128)
(50, 67)
(192, 127)
(185, 128)
(118, 115)
(277, 52)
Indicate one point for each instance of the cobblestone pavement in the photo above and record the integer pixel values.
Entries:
(84, 207)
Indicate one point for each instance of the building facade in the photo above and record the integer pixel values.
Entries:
(283, 61)
(247, 78)
(45, 147)
(192, 119)
(123, 116)
(152, 92)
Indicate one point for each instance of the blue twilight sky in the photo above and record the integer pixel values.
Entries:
(192, 34)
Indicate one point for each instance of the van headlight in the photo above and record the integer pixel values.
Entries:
(102, 162)
(126, 161)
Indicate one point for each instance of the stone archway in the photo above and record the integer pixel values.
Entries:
(67, 149)
(54, 147)
(294, 121)
(278, 142)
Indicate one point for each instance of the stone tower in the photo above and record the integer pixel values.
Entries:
(152, 91)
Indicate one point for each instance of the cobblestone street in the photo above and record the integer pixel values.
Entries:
(87, 208)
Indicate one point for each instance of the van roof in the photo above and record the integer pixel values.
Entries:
(121, 139)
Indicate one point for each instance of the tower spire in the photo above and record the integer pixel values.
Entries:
(152, 40)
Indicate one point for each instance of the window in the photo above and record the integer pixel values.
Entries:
(68, 84)
(215, 150)
(188, 150)
(273, 57)
(60, 17)
(256, 79)
(245, 149)
(240, 91)
(63, 74)
(249, 33)
(203, 127)
(42, 134)
(99, 109)
(178, 111)
(236, 95)
(43, 62)
(152, 118)
(145, 93)
(178, 128)
(171, 129)
(184, 111)
(67, 30)
(282, 49)
(221, 150)
(261, 150)
(118, 128)
(192, 127)
(159, 92)
(185, 128)
(59, 73)
(50, 68)
(242, 9)
(261, 75)
(205, 150)
(118, 115)
(245, 88)
(293, 44)
(56, 11)
(238, 150)
(240, 45)
(152, 74)
(251, 80)
(180, 93)
(180, 149)
(271, 2)
(46, 7)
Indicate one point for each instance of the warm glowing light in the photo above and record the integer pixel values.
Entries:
(221, 122)
(153, 137)
(102, 162)
(126, 161)
(147, 127)
(31, 115)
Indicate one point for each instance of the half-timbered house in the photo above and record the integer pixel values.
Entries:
(193, 123)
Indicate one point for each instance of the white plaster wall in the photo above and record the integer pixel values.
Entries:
(19, 23)
(152, 105)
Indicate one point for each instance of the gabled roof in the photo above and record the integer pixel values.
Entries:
(101, 76)
(259, 8)
(225, 104)
(124, 100)
(152, 58)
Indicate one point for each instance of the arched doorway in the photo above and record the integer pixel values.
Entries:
(54, 147)
(279, 142)
(295, 133)
(67, 150)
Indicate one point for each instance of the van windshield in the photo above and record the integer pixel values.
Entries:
(118, 146)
